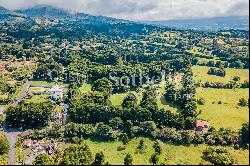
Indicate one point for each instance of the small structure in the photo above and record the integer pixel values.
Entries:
(27, 143)
(202, 126)
(2, 68)
(56, 92)
(2, 110)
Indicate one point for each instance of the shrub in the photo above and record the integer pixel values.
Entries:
(219, 156)
(148, 128)
(43, 159)
(236, 78)
(243, 102)
(201, 101)
(128, 160)
(4, 145)
(244, 133)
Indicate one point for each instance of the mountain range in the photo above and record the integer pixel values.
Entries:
(204, 24)
(207, 24)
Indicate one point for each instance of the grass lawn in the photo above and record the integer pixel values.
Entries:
(5, 96)
(200, 73)
(37, 99)
(58, 108)
(163, 104)
(171, 154)
(44, 83)
(117, 99)
(86, 87)
(228, 114)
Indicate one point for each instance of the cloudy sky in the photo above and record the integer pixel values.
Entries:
(144, 9)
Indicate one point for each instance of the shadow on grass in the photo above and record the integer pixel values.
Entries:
(164, 102)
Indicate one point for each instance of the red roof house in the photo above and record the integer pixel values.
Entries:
(2, 68)
(27, 143)
(202, 125)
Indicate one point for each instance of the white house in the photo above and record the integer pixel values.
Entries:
(56, 92)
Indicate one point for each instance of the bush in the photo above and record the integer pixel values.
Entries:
(236, 78)
(4, 145)
(219, 156)
(244, 133)
(201, 101)
(43, 159)
(243, 102)
(148, 128)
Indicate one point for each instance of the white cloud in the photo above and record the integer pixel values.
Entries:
(144, 9)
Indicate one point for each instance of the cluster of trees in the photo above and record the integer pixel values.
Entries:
(4, 144)
(230, 85)
(6, 88)
(219, 156)
(29, 115)
(184, 97)
(219, 72)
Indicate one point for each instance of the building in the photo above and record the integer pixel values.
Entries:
(27, 143)
(2, 68)
(202, 126)
(56, 92)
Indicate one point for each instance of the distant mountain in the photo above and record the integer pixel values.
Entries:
(44, 10)
(4, 10)
(207, 24)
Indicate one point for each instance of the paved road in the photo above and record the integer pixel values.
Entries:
(23, 94)
(11, 134)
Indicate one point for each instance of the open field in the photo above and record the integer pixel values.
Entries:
(228, 114)
(117, 99)
(44, 83)
(85, 88)
(171, 154)
(200, 73)
(37, 99)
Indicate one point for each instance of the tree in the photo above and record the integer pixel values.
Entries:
(148, 128)
(157, 147)
(103, 85)
(243, 102)
(128, 160)
(219, 156)
(154, 159)
(4, 144)
(129, 101)
(43, 159)
(99, 159)
(29, 115)
(236, 78)
(76, 155)
(244, 133)
(141, 147)
(124, 138)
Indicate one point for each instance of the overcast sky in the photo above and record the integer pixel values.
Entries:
(144, 9)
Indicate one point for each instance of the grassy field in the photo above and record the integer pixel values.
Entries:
(171, 154)
(37, 99)
(44, 83)
(228, 114)
(200, 73)
(117, 99)
(86, 87)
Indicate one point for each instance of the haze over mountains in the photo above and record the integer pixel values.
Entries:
(205, 24)
(208, 24)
